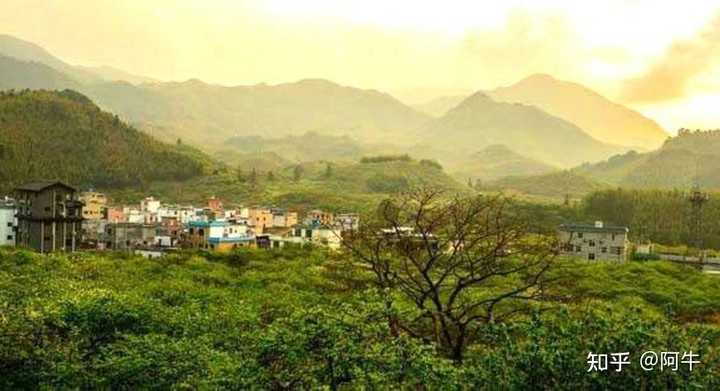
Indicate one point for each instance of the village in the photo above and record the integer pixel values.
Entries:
(53, 216)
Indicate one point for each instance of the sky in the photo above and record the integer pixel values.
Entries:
(659, 57)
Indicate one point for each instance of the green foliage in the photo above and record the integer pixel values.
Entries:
(556, 184)
(656, 215)
(687, 159)
(431, 163)
(385, 159)
(284, 319)
(62, 135)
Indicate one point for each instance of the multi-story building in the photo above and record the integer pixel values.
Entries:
(49, 216)
(217, 235)
(347, 221)
(315, 217)
(260, 219)
(284, 218)
(215, 204)
(127, 236)
(115, 215)
(594, 242)
(95, 203)
(149, 205)
(133, 215)
(8, 222)
(316, 234)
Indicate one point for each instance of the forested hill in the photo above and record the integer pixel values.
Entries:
(65, 136)
(693, 157)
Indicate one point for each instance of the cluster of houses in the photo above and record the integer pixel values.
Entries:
(52, 216)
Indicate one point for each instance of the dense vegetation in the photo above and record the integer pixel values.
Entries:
(656, 215)
(688, 159)
(301, 319)
(499, 161)
(558, 185)
(330, 185)
(63, 135)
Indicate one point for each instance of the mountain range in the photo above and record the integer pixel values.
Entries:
(479, 121)
(595, 114)
(548, 122)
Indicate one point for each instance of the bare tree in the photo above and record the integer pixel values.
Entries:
(462, 261)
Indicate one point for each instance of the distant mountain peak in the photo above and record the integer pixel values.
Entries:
(603, 119)
(317, 82)
(539, 77)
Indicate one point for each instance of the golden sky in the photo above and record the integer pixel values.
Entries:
(660, 57)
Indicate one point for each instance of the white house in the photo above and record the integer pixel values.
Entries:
(317, 234)
(8, 222)
(150, 205)
(594, 242)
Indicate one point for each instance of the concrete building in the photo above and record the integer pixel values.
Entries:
(317, 234)
(8, 222)
(320, 217)
(149, 205)
(347, 221)
(95, 203)
(127, 236)
(215, 204)
(217, 235)
(49, 216)
(260, 219)
(115, 215)
(594, 242)
(284, 218)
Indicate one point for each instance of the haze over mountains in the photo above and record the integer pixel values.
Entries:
(598, 116)
(199, 112)
(538, 123)
(479, 121)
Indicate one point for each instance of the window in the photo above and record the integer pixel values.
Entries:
(578, 249)
(591, 243)
(591, 256)
(580, 235)
(9, 237)
(613, 236)
(603, 250)
(9, 224)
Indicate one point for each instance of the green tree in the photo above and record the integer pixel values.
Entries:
(328, 170)
(298, 172)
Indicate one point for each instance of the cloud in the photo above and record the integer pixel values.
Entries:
(529, 43)
(669, 77)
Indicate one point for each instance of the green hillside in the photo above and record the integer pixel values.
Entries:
(63, 135)
(692, 157)
(498, 161)
(344, 186)
(555, 185)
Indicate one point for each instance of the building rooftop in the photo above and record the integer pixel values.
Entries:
(42, 185)
(597, 228)
(236, 239)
